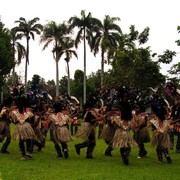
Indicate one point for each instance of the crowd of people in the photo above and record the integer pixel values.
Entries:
(124, 117)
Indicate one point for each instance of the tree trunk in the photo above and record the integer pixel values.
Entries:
(102, 68)
(68, 78)
(13, 71)
(84, 90)
(26, 64)
(57, 77)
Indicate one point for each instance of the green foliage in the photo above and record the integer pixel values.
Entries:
(51, 87)
(135, 68)
(6, 54)
(167, 57)
(63, 85)
(96, 79)
(175, 72)
(77, 84)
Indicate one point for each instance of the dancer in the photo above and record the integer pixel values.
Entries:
(59, 132)
(122, 137)
(23, 131)
(175, 130)
(87, 130)
(161, 127)
(5, 126)
(110, 127)
(141, 133)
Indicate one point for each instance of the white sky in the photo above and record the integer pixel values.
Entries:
(162, 16)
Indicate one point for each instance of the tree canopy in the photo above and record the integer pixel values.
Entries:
(6, 54)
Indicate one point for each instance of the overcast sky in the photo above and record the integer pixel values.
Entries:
(161, 16)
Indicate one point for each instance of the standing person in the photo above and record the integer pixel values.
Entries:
(59, 132)
(35, 122)
(175, 131)
(160, 137)
(110, 127)
(23, 131)
(5, 126)
(87, 130)
(122, 137)
(141, 133)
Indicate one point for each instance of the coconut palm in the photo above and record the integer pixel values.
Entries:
(18, 49)
(66, 49)
(54, 34)
(106, 40)
(27, 29)
(85, 24)
(69, 52)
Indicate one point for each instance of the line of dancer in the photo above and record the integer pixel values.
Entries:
(126, 116)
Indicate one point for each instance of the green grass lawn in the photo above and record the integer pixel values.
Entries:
(45, 166)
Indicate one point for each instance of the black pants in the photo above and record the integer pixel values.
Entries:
(160, 151)
(90, 144)
(109, 149)
(142, 151)
(125, 154)
(25, 145)
(172, 135)
(58, 149)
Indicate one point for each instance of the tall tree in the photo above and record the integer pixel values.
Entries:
(133, 65)
(54, 34)
(18, 49)
(66, 48)
(26, 29)
(6, 54)
(85, 24)
(106, 39)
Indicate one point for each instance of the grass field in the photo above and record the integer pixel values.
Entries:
(45, 166)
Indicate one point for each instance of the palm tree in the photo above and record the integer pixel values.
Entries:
(27, 29)
(54, 34)
(85, 25)
(68, 44)
(106, 39)
(66, 48)
(17, 48)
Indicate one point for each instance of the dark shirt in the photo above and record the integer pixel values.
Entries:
(89, 118)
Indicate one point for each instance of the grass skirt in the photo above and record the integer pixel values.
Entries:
(60, 134)
(23, 131)
(108, 133)
(161, 139)
(123, 139)
(85, 130)
(39, 134)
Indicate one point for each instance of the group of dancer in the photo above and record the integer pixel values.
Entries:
(122, 116)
